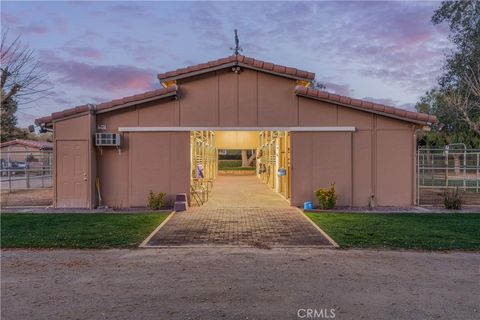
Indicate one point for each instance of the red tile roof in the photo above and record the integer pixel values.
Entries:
(365, 105)
(105, 106)
(41, 145)
(237, 60)
(158, 93)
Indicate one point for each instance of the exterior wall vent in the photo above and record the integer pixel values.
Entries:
(107, 139)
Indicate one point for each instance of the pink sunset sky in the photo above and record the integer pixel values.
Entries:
(387, 52)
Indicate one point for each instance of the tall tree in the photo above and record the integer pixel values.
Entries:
(22, 81)
(456, 101)
(21, 75)
(463, 19)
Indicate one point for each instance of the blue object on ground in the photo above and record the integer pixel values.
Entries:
(308, 205)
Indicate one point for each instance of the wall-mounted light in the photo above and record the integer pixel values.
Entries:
(236, 69)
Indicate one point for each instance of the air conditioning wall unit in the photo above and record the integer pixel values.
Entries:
(107, 139)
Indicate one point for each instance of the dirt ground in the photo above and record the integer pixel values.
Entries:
(27, 197)
(240, 283)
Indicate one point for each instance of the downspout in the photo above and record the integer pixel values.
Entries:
(416, 191)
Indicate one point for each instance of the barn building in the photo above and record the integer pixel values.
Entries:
(157, 139)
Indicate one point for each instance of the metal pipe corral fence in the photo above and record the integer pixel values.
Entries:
(26, 170)
(441, 169)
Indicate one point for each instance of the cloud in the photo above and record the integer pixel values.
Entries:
(390, 41)
(381, 40)
(115, 78)
(341, 89)
(130, 10)
(355, 48)
(84, 52)
(385, 101)
(391, 102)
(25, 118)
(32, 30)
(9, 20)
(206, 21)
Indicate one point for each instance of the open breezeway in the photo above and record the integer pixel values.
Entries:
(240, 211)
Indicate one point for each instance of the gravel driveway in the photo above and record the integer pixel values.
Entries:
(239, 283)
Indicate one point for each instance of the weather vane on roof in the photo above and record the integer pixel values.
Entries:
(237, 49)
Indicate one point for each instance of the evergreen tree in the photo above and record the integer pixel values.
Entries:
(8, 129)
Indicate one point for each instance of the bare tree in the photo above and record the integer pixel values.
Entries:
(22, 77)
(466, 99)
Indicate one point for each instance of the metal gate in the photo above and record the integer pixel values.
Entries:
(452, 167)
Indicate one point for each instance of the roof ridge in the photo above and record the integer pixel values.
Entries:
(237, 60)
(366, 105)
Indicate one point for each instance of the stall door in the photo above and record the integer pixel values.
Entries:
(72, 174)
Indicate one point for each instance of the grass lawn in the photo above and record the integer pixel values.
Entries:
(65, 230)
(402, 230)
(237, 168)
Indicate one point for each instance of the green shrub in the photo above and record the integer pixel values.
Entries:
(327, 198)
(155, 201)
(452, 199)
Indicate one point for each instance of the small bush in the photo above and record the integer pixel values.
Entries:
(327, 198)
(155, 201)
(452, 199)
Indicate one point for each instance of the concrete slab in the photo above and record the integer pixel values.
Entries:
(243, 192)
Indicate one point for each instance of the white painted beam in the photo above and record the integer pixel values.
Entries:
(181, 129)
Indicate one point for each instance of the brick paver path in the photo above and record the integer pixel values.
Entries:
(262, 227)
(226, 220)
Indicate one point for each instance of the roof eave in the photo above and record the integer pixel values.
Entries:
(385, 114)
(134, 103)
(229, 65)
(47, 122)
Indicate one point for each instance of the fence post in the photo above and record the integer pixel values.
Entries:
(418, 176)
(27, 177)
(446, 171)
(465, 170)
(478, 167)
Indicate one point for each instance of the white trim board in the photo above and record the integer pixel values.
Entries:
(181, 129)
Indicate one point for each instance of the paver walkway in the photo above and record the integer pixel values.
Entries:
(241, 211)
